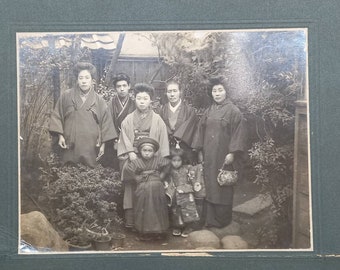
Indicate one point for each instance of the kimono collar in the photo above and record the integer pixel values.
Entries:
(174, 108)
(224, 102)
(144, 114)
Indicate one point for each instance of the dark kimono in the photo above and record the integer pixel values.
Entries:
(118, 112)
(181, 127)
(150, 204)
(221, 131)
(84, 125)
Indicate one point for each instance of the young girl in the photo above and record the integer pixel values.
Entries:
(150, 204)
(180, 191)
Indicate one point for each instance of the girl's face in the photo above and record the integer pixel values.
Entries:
(218, 93)
(143, 101)
(176, 162)
(173, 94)
(147, 152)
(85, 80)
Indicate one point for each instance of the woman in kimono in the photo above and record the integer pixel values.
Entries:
(143, 122)
(81, 120)
(181, 121)
(150, 203)
(221, 137)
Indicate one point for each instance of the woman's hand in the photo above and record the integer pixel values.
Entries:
(229, 159)
(132, 156)
(62, 142)
(101, 151)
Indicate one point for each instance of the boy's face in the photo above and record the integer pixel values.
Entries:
(122, 88)
(147, 152)
(176, 162)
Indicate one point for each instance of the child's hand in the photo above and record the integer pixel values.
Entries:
(132, 156)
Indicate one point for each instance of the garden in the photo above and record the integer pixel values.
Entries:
(266, 75)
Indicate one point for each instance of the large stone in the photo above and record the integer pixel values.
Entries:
(203, 239)
(234, 242)
(36, 230)
(254, 205)
(232, 229)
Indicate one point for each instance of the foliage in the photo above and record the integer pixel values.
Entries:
(265, 73)
(79, 196)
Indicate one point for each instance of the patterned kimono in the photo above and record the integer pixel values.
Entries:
(84, 125)
(221, 130)
(150, 204)
(181, 127)
(181, 194)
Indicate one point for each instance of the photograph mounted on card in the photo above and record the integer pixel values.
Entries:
(128, 138)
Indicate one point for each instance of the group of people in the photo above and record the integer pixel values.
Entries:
(169, 159)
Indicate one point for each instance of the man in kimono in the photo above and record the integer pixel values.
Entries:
(81, 120)
(119, 107)
(181, 121)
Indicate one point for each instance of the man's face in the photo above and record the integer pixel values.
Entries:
(173, 93)
(122, 88)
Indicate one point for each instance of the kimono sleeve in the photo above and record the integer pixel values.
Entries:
(125, 142)
(163, 139)
(129, 171)
(108, 129)
(197, 141)
(57, 118)
(238, 140)
(187, 129)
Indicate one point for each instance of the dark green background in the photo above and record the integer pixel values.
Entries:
(322, 18)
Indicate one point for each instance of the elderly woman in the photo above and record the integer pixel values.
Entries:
(81, 120)
(143, 122)
(221, 139)
(181, 121)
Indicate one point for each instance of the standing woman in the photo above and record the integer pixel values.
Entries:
(221, 139)
(141, 123)
(81, 120)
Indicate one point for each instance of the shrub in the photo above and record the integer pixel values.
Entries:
(77, 196)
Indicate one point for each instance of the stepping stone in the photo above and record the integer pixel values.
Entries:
(234, 242)
(254, 205)
(232, 229)
(203, 239)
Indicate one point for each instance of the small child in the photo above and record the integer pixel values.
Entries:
(150, 203)
(180, 192)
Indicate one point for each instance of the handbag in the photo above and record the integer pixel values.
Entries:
(227, 176)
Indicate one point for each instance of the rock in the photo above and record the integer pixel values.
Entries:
(36, 230)
(203, 239)
(254, 205)
(234, 242)
(232, 229)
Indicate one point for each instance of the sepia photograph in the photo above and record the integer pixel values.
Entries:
(164, 141)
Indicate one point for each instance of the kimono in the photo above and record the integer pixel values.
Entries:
(150, 204)
(84, 125)
(181, 127)
(134, 127)
(181, 196)
(118, 112)
(221, 130)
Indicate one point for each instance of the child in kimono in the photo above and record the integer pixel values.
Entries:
(180, 192)
(150, 203)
